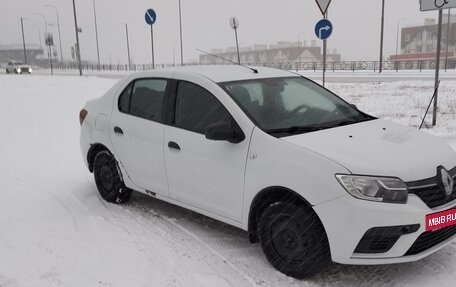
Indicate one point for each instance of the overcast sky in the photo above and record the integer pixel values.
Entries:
(206, 25)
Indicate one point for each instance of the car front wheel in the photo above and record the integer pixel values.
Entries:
(108, 180)
(293, 239)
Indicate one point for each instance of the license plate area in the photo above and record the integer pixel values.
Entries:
(439, 220)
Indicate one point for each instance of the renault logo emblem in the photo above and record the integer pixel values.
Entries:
(447, 181)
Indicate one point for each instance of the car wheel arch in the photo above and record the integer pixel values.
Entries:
(92, 153)
(265, 198)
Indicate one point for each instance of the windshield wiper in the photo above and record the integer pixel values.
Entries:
(307, 129)
(294, 130)
(350, 122)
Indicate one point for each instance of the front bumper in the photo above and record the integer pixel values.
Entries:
(346, 221)
(22, 70)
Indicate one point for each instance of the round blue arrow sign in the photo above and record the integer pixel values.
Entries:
(150, 16)
(323, 29)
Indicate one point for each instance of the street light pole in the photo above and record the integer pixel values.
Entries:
(78, 50)
(37, 28)
(39, 33)
(45, 21)
(96, 33)
(58, 25)
(381, 36)
(299, 46)
(180, 29)
(397, 36)
(234, 23)
(447, 39)
(23, 41)
(128, 46)
(46, 43)
(397, 42)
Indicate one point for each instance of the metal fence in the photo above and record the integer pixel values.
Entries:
(353, 66)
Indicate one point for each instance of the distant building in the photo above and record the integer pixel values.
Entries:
(420, 42)
(16, 53)
(279, 53)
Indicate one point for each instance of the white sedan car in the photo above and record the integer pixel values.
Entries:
(18, 68)
(304, 172)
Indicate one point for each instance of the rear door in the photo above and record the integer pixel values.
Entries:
(137, 129)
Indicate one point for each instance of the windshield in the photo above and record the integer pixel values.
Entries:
(286, 106)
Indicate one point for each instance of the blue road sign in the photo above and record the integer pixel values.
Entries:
(150, 17)
(323, 29)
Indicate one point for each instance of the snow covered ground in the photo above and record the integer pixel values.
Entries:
(56, 231)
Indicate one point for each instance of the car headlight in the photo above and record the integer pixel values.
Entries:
(382, 189)
(18, 70)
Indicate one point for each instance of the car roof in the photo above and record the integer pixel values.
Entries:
(224, 73)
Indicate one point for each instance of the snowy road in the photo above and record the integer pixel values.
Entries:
(56, 231)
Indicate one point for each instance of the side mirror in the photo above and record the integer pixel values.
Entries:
(353, 105)
(225, 131)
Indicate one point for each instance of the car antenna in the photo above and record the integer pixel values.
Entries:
(255, 71)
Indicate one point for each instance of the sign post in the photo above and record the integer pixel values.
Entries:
(437, 68)
(49, 41)
(234, 23)
(323, 30)
(429, 5)
(382, 28)
(151, 18)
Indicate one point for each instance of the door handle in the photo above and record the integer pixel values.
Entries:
(174, 145)
(118, 130)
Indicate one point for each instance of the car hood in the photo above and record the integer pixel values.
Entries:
(382, 148)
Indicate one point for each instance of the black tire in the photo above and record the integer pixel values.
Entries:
(108, 180)
(293, 239)
(7, 71)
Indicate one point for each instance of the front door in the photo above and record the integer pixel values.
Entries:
(204, 173)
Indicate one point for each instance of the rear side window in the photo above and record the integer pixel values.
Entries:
(196, 108)
(124, 99)
(144, 98)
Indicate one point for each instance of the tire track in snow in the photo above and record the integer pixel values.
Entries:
(177, 238)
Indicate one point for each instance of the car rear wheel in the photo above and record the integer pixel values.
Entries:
(293, 239)
(108, 180)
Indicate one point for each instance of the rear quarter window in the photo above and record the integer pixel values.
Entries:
(144, 98)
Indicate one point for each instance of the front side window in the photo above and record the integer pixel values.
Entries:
(284, 106)
(197, 109)
(144, 98)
